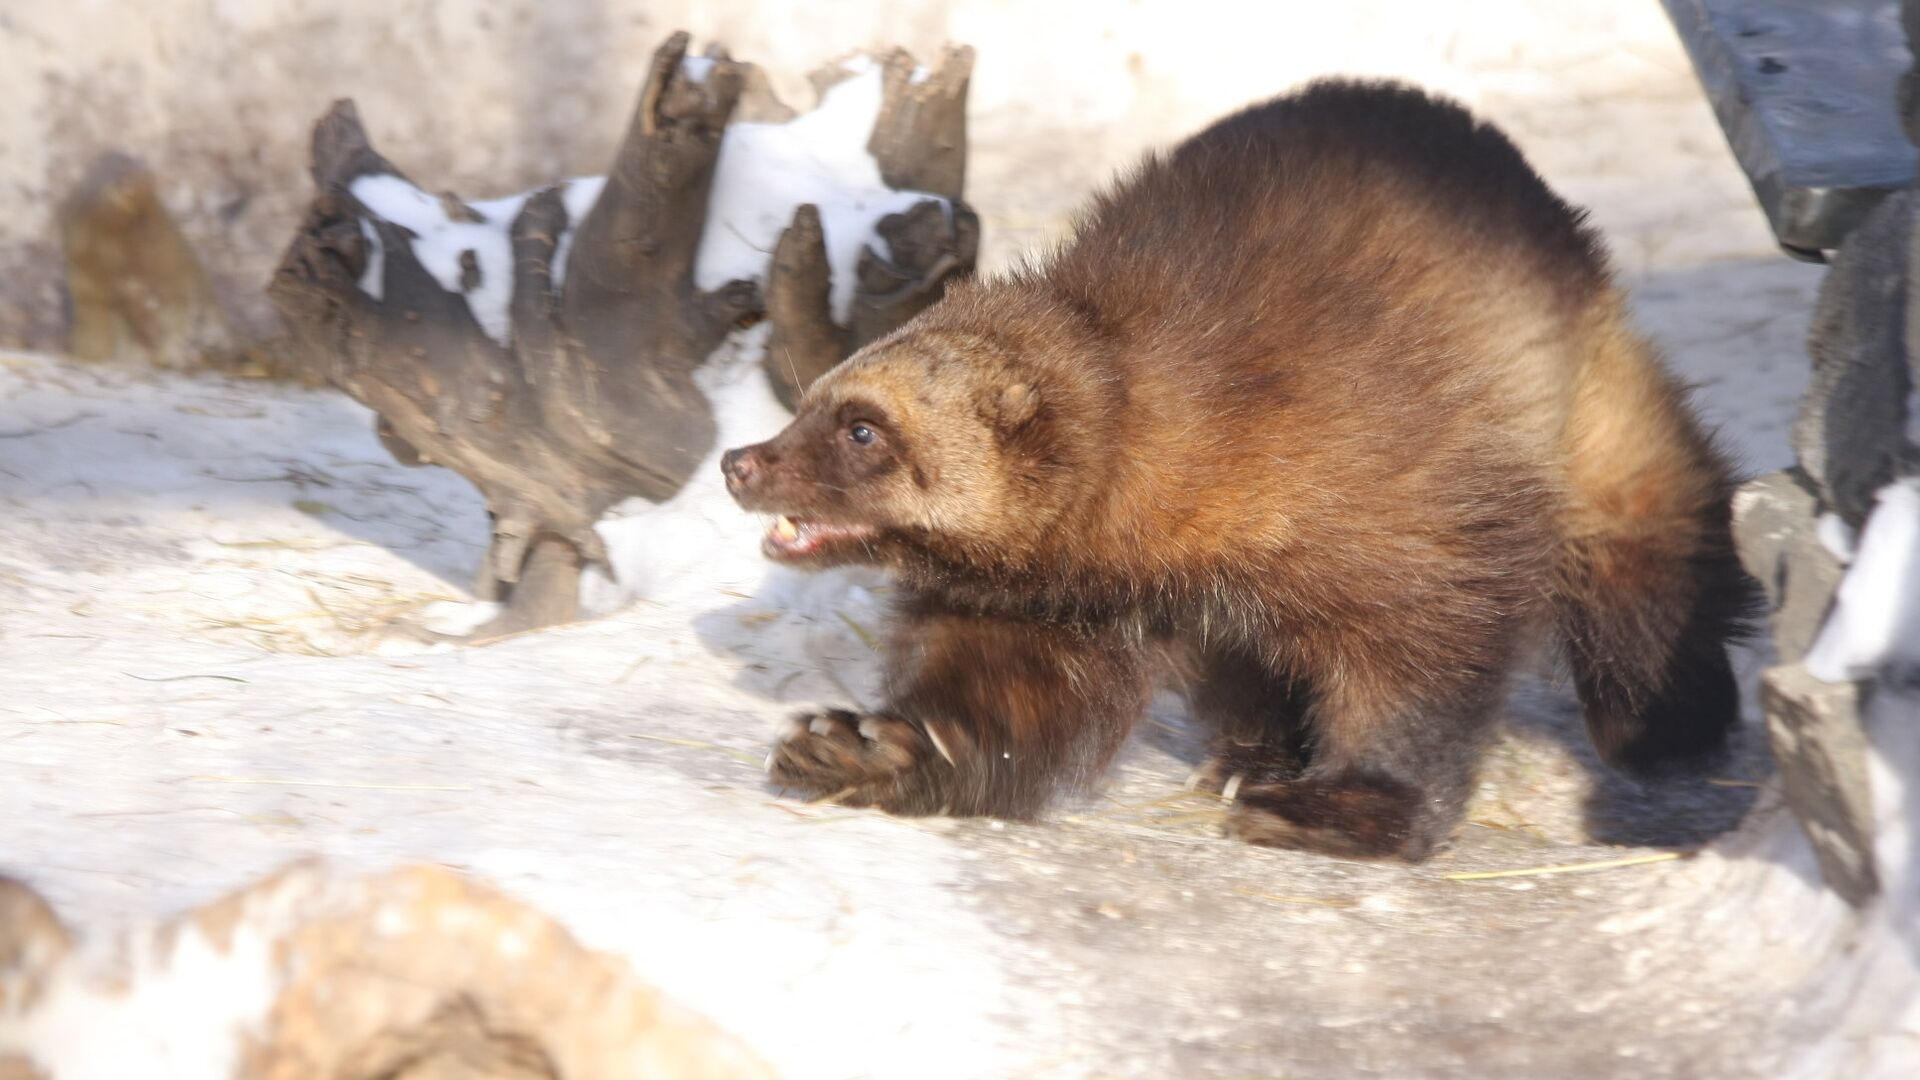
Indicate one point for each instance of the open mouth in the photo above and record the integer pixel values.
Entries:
(798, 538)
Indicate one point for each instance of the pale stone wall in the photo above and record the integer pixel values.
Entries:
(485, 96)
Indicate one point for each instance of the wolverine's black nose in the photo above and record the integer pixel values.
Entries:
(737, 466)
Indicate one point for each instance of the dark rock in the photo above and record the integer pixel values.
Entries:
(1821, 750)
(1775, 528)
(1851, 432)
(1909, 90)
(1911, 450)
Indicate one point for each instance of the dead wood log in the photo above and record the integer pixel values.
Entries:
(575, 390)
(919, 141)
(591, 399)
(931, 244)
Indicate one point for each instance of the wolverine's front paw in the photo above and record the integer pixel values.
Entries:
(853, 759)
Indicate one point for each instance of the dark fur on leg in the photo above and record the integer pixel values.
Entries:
(1391, 762)
(1679, 718)
(1353, 814)
(988, 716)
(1647, 609)
(1259, 720)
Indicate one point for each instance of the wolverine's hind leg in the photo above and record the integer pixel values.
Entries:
(1257, 719)
(1649, 591)
(1391, 766)
(1646, 627)
(986, 716)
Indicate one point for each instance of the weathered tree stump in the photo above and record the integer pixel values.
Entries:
(573, 389)
(919, 141)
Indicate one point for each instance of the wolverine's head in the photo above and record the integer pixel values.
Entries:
(936, 439)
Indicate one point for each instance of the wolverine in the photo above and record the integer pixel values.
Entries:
(1337, 406)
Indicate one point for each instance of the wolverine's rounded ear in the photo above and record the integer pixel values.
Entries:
(1017, 404)
(1008, 407)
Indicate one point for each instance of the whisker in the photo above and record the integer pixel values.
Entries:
(792, 372)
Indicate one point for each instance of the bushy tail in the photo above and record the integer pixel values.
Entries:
(1650, 591)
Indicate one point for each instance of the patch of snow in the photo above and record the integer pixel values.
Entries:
(1836, 536)
(457, 618)
(578, 195)
(1875, 622)
(177, 1003)
(656, 550)
(186, 709)
(695, 69)
(373, 279)
(672, 553)
(1893, 729)
(921, 73)
(438, 242)
(1886, 1019)
(765, 171)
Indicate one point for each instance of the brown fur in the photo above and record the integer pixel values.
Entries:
(1337, 403)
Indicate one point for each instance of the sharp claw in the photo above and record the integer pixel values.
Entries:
(1193, 779)
(934, 737)
(1232, 787)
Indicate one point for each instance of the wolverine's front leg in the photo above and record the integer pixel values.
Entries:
(985, 715)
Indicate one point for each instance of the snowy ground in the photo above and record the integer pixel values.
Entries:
(207, 671)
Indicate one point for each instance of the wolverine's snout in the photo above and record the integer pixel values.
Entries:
(740, 466)
(768, 476)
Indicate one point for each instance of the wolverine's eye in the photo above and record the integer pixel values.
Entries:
(861, 433)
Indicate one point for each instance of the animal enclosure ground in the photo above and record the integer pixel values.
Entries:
(208, 670)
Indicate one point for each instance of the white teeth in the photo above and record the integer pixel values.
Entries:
(785, 529)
